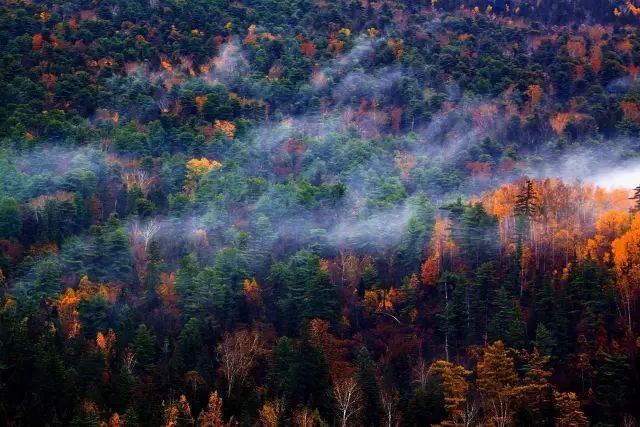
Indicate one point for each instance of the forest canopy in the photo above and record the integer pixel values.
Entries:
(319, 212)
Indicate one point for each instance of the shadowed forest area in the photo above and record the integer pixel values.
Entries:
(313, 213)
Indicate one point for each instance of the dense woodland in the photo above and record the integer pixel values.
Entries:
(318, 213)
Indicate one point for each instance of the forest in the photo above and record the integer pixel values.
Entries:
(315, 213)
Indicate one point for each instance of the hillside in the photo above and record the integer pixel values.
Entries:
(319, 212)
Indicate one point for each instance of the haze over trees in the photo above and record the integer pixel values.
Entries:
(319, 212)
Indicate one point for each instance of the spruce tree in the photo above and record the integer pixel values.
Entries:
(366, 376)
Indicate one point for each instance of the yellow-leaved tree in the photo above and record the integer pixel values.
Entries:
(626, 256)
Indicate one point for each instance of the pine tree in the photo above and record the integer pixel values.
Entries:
(152, 276)
(10, 218)
(368, 383)
(545, 343)
(130, 418)
(612, 383)
(507, 323)
(526, 207)
(426, 405)
(636, 200)
(144, 347)
(479, 235)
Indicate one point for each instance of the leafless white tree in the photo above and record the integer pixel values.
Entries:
(390, 399)
(348, 398)
(238, 351)
(145, 231)
(138, 178)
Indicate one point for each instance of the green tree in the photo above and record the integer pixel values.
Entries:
(366, 376)
(10, 218)
(144, 347)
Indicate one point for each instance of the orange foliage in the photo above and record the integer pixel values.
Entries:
(576, 47)
(200, 100)
(430, 271)
(333, 347)
(633, 9)
(167, 293)
(106, 343)
(67, 306)
(625, 46)
(49, 80)
(251, 38)
(397, 47)
(626, 255)
(44, 16)
(596, 58)
(227, 127)
(613, 223)
(630, 110)
(308, 49)
(37, 41)
(560, 121)
(383, 300)
(573, 220)
(252, 292)
(166, 64)
(535, 93)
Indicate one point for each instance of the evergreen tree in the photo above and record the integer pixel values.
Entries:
(311, 383)
(636, 200)
(613, 387)
(416, 235)
(144, 347)
(280, 375)
(507, 324)
(366, 376)
(426, 404)
(130, 418)
(478, 235)
(48, 277)
(545, 343)
(10, 218)
(152, 276)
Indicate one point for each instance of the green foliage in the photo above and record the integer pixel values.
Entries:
(10, 219)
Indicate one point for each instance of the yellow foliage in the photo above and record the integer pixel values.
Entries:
(199, 167)
(227, 127)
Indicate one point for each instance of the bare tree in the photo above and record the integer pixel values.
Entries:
(303, 417)
(138, 178)
(421, 372)
(500, 410)
(470, 414)
(238, 351)
(348, 398)
(146, 231)
(390, 399)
